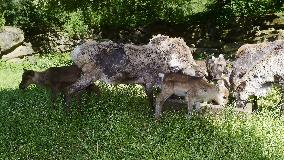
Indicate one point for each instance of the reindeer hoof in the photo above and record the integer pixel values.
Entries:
(67, 110)
(189, 115)
(157, 116)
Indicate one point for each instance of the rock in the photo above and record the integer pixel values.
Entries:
(277, 20)
(23, 50)
(10, 38)
(15, 60)
(55, 42)
(268, 35)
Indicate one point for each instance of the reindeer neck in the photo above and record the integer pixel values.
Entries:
(40, 79)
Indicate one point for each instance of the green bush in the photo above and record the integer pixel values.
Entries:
(2, 22)
(272, 101)
(75, 25)
(76, 17)
(246, 10)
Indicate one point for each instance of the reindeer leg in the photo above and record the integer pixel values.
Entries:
(93, 88)
(254, 104)
(190, 103)
(68, 101)
(149, 93)
(53, 97)
(79, 98)
(197, 107)
(84, 81)
(160, 100)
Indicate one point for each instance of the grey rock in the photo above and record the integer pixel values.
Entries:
(55, 42)
(23, 50)
(268, 35)
(10, 38)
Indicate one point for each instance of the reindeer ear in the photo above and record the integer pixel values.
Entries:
(29, 72)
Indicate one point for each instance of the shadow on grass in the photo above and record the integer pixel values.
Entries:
(115, 126)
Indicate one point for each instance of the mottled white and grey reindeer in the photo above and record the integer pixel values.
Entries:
(256, 68)
(195, 90)
(127, 63)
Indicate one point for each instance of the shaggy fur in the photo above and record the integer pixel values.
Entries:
(255, 69)
(128, 63)
(216, 67)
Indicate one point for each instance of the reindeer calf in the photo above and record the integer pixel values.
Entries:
(57, 79)
(195, 90)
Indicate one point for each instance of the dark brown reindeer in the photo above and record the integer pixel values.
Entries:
(57, 80)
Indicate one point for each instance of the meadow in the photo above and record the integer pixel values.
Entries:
(120, 125)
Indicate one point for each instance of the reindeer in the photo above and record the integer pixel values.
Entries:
(57, 80)
(256, 69)
(195, 90)
(116, 63)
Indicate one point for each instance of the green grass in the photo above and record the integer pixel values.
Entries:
(118, 125)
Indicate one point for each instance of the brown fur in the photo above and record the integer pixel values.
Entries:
(57, 80)
(195, 90)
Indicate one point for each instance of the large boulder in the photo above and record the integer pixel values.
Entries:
(55, 41)
(269, 35)
(23, 50)
(10, 38)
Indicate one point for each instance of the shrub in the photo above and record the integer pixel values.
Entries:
(76, 17)
(2, 22)
(75, 25)
(272, 101)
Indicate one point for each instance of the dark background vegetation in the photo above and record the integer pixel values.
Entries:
(78, 18)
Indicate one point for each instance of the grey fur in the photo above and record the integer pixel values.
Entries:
(255, 69)
(128, 63)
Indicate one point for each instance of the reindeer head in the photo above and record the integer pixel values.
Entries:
(216, 67)
(27, 79)
(223, 92)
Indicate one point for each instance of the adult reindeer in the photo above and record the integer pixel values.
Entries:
(127, 63)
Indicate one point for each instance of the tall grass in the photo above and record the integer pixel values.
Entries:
(118, 125)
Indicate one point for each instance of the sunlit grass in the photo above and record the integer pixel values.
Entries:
(118, 125)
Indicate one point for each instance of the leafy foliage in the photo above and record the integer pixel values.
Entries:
(2, 21)
(38, 15)
(272, 100)
(75, 26)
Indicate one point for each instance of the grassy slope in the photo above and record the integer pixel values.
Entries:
(118, 125)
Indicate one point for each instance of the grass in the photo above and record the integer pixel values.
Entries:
(118, 125)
